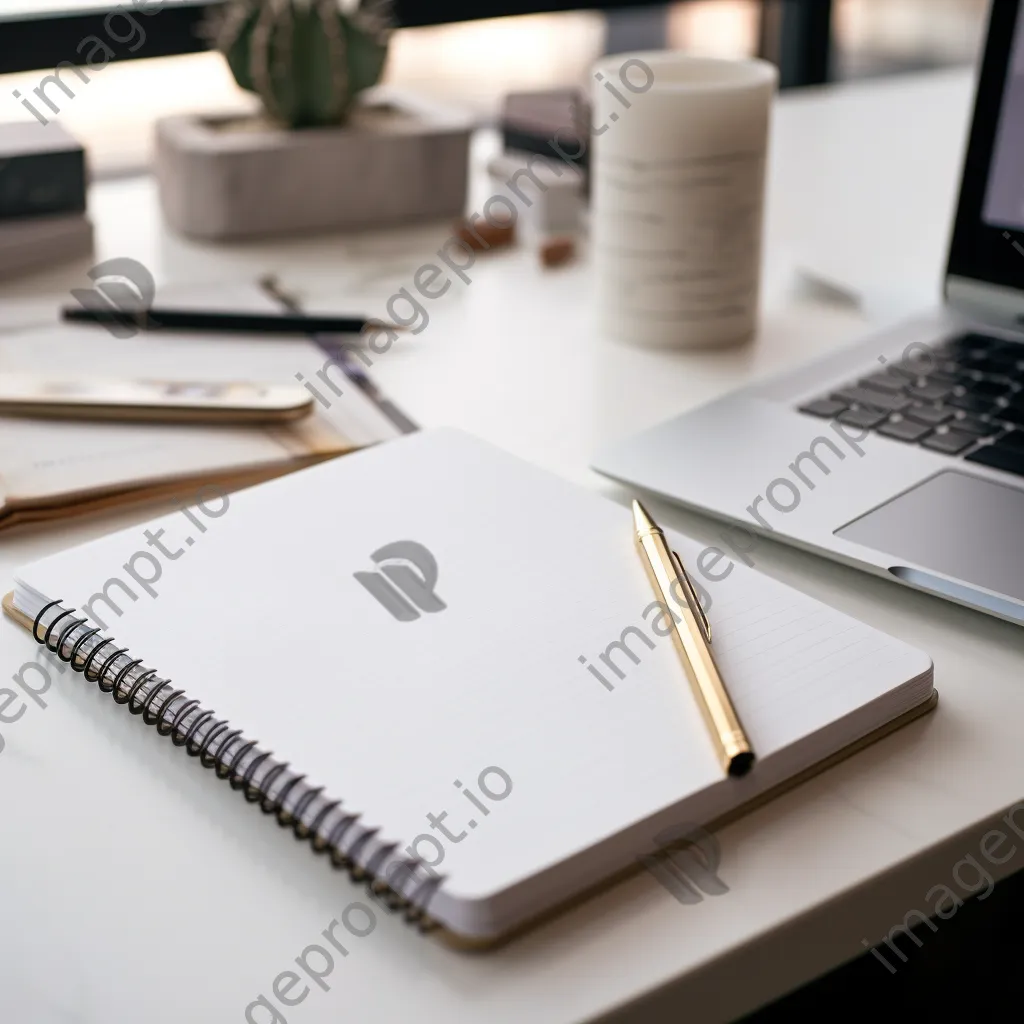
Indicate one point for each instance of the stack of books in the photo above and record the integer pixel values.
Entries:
(43, 217)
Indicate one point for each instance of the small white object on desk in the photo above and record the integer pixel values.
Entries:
(678, 178)
(548, 192)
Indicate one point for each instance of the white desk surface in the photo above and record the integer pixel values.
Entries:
(135, 888)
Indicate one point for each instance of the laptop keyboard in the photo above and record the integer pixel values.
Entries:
(967, 401)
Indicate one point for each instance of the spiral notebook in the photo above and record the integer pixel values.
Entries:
(391, 654)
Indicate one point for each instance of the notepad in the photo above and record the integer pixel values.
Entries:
(53, 470)
(393, 652)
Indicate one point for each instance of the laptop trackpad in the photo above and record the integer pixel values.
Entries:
(954, 524)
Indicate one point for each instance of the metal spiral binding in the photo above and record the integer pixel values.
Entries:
(307, 811)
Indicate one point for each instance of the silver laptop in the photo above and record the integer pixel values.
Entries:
(903, 455)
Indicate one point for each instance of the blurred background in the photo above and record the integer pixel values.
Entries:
(475, 62)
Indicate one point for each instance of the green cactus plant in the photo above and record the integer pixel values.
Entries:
(307, 60)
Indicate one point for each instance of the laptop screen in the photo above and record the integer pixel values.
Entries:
(1004, 201)
(988, 235)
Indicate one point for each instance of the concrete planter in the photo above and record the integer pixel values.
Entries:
(395, 161)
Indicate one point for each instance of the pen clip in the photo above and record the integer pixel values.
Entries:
(692, 600)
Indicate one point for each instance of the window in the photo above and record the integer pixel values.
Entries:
(36, 34)
(39, 34)
(471, 64)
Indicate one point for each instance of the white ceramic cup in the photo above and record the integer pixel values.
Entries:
(678, 170)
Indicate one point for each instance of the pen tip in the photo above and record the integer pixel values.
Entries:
(641, 519)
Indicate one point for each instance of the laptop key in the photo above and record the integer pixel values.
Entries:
(929, 392)
(972, 403)
(990, 388)
(914, 372)
(994, 365)
(968, 424)
(975, 341)
(948, 442)
(931, 415)
(942, 377)
(866, 419)
(827, 408)
(884, 382)
(872, 399)
(1015, 400)
(1011, 414)
(998, 456)
(1013, 439)
(900, 429)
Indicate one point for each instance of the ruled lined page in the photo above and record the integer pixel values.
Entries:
(792, 663)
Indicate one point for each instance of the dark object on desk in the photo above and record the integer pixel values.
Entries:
(213, 320)
(548, 121)
(483, 236)
(42, 171)
(556, 252)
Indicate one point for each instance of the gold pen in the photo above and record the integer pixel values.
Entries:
(693, 641)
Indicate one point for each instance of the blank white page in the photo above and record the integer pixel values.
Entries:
(261, 619)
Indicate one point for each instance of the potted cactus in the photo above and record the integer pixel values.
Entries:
(330, 149)
(307, 61)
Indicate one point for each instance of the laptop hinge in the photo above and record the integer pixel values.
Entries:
(991, 304)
